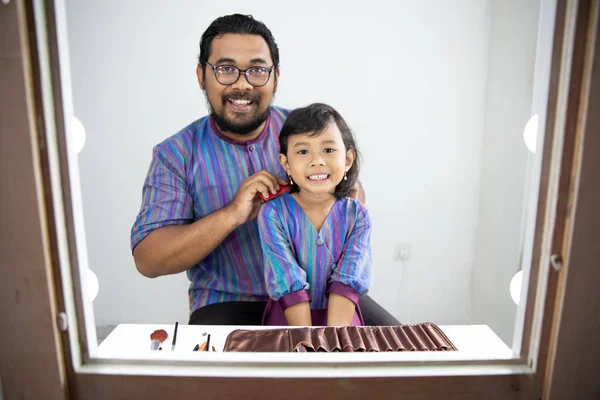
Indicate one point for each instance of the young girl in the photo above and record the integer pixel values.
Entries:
(316, 240)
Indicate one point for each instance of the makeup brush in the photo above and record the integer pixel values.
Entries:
(174, 337)
(157, 337)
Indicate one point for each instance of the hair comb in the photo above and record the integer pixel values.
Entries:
(282, 189)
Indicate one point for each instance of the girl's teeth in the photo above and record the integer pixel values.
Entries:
(318, 177)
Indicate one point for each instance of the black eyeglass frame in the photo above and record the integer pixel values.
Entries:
(240, 71)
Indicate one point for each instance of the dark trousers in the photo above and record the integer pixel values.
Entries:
(229, 313)
(250, 313)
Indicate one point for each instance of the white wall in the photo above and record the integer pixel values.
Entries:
(419, 129)
(513, 39)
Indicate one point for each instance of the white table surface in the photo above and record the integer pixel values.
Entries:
(472, 341)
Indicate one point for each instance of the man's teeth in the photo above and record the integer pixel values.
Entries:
(241, 102)
(319, 177)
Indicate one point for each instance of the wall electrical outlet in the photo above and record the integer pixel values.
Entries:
(402, 252)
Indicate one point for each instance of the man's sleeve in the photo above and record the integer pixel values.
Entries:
(165, 197)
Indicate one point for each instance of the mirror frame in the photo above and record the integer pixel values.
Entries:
(570, 64)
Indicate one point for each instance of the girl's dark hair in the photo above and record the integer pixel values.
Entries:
(236, 23)
(313, 119)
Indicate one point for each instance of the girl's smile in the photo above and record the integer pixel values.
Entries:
(318, 178)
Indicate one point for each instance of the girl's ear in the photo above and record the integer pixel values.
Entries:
(284, 163)
(350, 157)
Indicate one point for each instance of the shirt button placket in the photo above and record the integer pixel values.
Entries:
(253, 154)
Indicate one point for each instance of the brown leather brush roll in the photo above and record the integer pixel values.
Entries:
(419, 337)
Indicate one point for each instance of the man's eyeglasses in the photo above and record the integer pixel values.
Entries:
(229, 74)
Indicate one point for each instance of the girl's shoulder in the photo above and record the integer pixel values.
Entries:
(280, 205)
(353, 206)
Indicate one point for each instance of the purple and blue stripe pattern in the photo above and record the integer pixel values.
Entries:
(196, 172)
(298, 258)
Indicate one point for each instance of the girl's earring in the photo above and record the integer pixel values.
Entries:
(291, 181)
(346, 175)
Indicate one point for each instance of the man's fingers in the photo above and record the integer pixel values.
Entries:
(260, 187)
(264, 178)
(267, 179)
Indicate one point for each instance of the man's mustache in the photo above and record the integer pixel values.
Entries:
(241, 96)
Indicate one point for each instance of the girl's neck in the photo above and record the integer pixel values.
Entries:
(312, 202)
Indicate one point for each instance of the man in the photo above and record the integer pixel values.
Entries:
(200, 197)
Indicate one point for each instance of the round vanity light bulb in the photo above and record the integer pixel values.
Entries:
(92, 284)
(515, 287)
(78, 134)
(530, 133)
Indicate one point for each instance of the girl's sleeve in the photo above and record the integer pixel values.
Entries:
(285, 279)
(351, 275)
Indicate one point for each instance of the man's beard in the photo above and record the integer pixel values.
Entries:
(244, 128)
